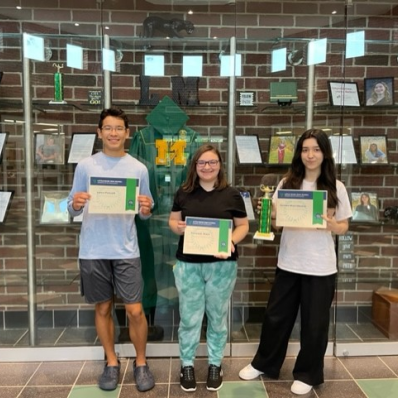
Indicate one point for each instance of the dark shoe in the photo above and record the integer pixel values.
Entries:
(214, 378)
(143, 377)
(109, 378)
(187, 378)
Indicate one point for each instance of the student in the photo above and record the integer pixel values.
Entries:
(365, 211)
(205, 283)
(380, 95)
(374, 155)
(306, 271)
(109, 257)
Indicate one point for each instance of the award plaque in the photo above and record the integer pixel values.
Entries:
(58, 86)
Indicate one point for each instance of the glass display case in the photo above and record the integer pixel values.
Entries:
(219, 79)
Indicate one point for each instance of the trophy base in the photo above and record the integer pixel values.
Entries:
(57, 102)
(262, 236)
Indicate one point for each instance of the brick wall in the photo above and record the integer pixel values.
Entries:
(258, 26)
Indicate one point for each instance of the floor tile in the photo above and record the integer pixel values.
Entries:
(10, 392)
(239, 389)
(93, 391)
(16, 374)
(45, 392)
(386, 388)
(129, 391)
(367, 368)
(56, 373)
(391, 362)
(339, 389)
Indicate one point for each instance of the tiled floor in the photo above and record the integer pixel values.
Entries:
(371, 377)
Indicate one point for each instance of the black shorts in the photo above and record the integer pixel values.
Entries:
(101, 279)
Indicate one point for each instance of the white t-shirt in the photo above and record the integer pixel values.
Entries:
(312, 251)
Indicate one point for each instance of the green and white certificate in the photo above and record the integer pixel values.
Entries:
(113, 195)
(207, 236)
(301, 209)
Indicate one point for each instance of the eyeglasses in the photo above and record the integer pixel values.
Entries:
(108, 129)
(211, 163)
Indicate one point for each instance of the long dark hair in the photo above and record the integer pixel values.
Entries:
(327, 178)
(192, 180)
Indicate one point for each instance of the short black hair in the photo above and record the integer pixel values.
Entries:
(115, 112)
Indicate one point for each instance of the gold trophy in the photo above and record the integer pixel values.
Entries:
(264, 228)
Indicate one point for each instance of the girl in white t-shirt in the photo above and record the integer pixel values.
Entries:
(306, 271)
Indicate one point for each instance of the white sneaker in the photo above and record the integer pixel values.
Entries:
(249, 373)
(300, 388)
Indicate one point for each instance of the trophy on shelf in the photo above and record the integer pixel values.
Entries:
(58, 86)
(268, 185)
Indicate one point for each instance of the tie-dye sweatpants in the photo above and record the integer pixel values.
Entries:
(204, 287)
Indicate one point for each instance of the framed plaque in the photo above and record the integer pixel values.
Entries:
(5, 199)
(248, 149)
(343, 149)
(343, 94)
(81, 147)
(3, 139)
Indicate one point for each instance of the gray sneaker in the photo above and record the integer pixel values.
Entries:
(109, 378)
(143, 377)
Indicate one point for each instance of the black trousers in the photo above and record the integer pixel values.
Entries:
(313, 295)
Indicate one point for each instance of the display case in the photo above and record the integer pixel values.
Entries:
(40, 301)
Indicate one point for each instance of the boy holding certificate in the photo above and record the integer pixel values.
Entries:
(205, 281)
(306, 270)
(109, 256)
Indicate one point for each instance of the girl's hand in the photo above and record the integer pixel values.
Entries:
(181, 225)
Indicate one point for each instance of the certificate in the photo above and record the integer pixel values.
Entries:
(82, 146)
(248, 148)
(113, 195)
(207, 236)
(301, 209)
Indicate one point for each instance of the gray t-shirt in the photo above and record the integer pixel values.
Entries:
(107, 236)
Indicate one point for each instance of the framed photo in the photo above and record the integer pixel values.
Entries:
(373, 149)
(248, 149)
(281, 149)
(5, 198)
(3, 139)
(81, 147)
(49, 148)
(54, 207)
(343, 94)
(365, 207)
(379, 91)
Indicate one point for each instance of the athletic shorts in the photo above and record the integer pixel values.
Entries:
(101, 279)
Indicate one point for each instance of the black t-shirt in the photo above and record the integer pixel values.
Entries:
(226, 204)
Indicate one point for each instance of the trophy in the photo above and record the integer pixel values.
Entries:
(58, 86)
(268, 184)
